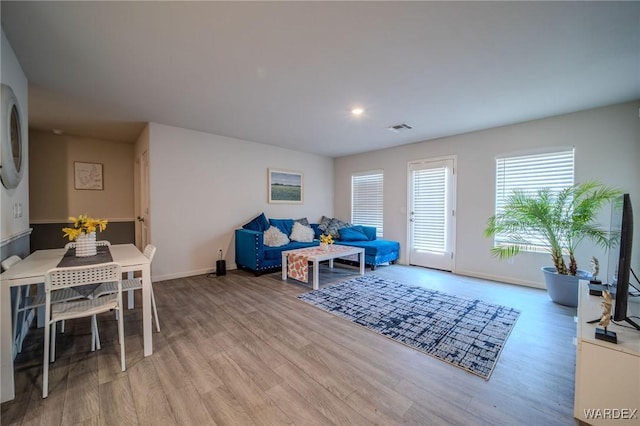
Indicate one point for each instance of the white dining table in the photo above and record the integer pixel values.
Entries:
(32, 269)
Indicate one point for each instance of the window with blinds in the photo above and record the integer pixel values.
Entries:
(367, 200)
(530, 173)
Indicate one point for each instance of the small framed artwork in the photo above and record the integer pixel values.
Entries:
(88, 176)
(285, 186)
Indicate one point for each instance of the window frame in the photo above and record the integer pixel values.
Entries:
(524, 166)
(378, 219)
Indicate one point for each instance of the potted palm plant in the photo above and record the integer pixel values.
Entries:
(558, 221)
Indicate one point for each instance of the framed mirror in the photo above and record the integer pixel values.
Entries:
(11, 139)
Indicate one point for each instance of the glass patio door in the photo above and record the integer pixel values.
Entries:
(432, 213)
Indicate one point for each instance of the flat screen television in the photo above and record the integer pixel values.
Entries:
(620, 257)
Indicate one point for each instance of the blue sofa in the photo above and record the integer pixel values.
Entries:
(254, 255)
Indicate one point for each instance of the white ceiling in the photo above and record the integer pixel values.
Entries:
(287, 73)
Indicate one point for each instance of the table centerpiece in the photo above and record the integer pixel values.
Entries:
(83, 232)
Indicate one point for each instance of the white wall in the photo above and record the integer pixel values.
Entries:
(607, 142)
(204, 186)
(12, 75)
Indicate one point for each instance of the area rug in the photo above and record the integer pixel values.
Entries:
(468, 334)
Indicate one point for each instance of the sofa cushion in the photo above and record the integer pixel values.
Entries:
(374, 248)
(275, 253)
(335, 226)
(285, 225)
(259, 223)
(316, 230)
(303, 221)
(353, 233)
(273, 237)
(324, 223)
(331, 226)
(301, 233)
(370, 232)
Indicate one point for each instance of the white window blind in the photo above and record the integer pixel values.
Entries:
(367, 200)
(530, 173)
(429, 205)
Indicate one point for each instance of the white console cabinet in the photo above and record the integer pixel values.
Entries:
(607, 381)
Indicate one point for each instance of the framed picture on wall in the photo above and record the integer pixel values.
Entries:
(88, 176)
(285, 186)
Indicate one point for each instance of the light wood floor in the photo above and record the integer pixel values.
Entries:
(241, 350)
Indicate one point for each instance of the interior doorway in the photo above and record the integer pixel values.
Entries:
(142, 202)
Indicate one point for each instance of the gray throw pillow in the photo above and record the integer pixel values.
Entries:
(303, 221)
(324, 223)
(335, 226)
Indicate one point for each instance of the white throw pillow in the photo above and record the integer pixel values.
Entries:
(273, 237)
(301, 233)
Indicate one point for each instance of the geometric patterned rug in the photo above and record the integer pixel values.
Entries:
(468, 334)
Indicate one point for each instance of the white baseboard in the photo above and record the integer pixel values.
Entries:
(189, 273)
(500, 278)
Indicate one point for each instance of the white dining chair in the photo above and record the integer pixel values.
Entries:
(27, 303)
(61, 279)
(17, 341)
(88, 291)
(132, 284)
(10, 261)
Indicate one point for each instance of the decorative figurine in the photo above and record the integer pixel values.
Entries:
(605, 320)
(595, 270)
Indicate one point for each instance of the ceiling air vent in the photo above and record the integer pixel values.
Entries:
(399, 128)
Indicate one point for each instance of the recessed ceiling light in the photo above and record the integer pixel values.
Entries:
(57, 131)
(357, 111)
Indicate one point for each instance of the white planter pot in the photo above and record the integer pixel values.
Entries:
(86, 245)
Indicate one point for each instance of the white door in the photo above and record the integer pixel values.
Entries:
(432, 213)
(142, 215)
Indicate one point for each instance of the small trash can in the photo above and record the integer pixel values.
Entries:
(221, 267)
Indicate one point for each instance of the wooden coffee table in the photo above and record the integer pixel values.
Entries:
(317, 255)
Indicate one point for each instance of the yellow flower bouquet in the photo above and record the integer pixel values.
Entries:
(326, 239)
(84, 224)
